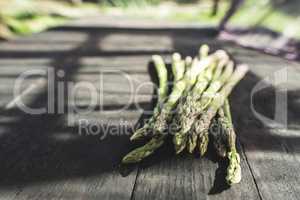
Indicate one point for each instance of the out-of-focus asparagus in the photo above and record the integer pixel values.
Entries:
(203, 86)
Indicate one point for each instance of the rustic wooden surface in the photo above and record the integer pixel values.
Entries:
(43, 157)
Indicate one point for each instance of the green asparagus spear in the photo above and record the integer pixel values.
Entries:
(178, 67)
(203, 142)
(234, 173)
(178, 70)
(162, 76)
(203, 51)
(201, 126)
(195, 108)
(188, 62)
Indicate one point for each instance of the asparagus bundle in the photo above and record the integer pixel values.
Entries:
(199, 94)
(181, 85)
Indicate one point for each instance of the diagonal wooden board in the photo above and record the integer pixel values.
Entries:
(43, 158)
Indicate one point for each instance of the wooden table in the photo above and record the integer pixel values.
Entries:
(44, 156)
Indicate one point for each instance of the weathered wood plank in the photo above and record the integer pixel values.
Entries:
(272, 153)
(192, 178)
(274, 159)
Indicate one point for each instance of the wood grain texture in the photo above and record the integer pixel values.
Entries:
(187, 177)
(271, 146)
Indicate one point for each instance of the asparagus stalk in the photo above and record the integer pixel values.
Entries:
(234, 174)
(203, 51)
(188, 61)
(162, 76)
(188, 118)
(200, 127)
(178, 70)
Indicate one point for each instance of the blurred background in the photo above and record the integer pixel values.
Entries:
(271, 23)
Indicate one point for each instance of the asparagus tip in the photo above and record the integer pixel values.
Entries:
(234, 172)
(192, 142)
(179, 142)
(188, 60)
(204, 50)
(176, 56)
(138, 134)
(156, 57)
(222, 54)
(203, 149)
(158, 61)
(128, 159)
(179, 149)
